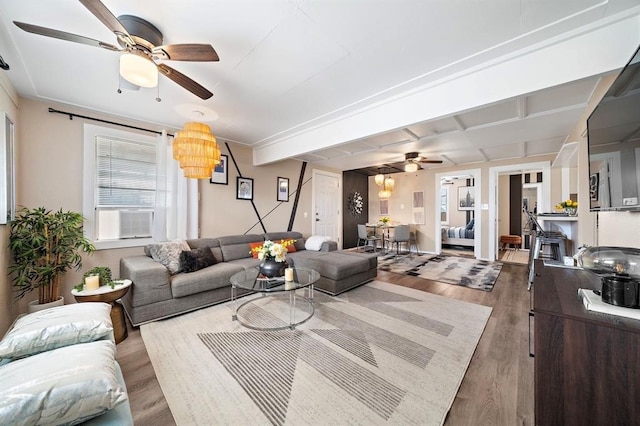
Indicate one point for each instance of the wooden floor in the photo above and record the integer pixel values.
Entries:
(497, 388)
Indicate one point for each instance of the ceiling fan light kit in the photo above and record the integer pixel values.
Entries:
(412, 160)
(411, 167)
(140, 47)
(196, 149)
(138, 70)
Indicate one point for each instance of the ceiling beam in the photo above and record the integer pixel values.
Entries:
(522, 107)
(448, 159)
(412, 136)
(459, 123)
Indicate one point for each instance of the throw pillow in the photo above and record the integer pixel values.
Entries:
(291, 247)
(169, 254)
(470, 225)
(64, 386)
(315, 242)
(196, 259)
(255, 248)
(57, 327)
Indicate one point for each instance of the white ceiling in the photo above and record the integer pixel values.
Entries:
(295, 74)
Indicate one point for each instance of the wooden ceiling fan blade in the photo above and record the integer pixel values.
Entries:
(100, 11)
(187, 52)
(431, 161)
(184, 81)
(61, 35)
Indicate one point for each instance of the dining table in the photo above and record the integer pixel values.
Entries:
(383, 230)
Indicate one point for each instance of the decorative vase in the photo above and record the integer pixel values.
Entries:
(571, 211)
(270, 268)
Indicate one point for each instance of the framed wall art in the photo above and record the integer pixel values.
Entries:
(384, 207)
(220, 174)
(283, 189)
(466, 198)
(244, 188)
(418, 207)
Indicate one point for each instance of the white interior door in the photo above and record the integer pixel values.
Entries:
(327, 201)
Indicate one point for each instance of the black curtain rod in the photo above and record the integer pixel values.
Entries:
(71, 115)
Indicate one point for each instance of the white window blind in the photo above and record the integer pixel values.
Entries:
(125, 188)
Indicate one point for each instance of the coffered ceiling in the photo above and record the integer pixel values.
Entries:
(345, 84)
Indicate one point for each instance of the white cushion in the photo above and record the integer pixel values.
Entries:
(64, 386)
(315, 242)
(169, 254)
(57, 327)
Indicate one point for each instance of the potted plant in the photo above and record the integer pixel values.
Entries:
(45, 245)
(104, 274)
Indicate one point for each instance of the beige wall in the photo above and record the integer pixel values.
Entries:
(222, 214)
(8, 107)
(49, 149)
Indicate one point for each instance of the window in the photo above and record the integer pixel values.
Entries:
(444, 205)
(7, 189)
(120, 175)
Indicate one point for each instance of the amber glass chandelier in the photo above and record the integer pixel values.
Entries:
(196, 150)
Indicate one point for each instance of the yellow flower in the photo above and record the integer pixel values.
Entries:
(271, 250)
(567, 204)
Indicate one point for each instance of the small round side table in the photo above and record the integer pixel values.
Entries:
(108, 295)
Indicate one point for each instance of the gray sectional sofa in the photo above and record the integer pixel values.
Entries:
(156, 293)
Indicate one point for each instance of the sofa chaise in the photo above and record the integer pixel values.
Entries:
(161, 290)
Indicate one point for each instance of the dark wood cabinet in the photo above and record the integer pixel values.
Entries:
(587, 364)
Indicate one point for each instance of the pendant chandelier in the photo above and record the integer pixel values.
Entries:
(196, 150)
(387, 185)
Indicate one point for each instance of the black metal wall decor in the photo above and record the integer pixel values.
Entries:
(355, 204)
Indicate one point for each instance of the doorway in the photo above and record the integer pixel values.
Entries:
(327, 199)
(542, 196)
(460, 206)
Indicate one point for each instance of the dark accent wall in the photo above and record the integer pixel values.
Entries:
(353, 182)
(515, 204)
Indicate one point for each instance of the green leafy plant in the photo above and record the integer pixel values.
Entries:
(104, 272)
(45, 245)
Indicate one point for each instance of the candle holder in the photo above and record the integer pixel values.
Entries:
(92, 282)
(288, 274)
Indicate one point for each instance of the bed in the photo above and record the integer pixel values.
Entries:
(458, 235)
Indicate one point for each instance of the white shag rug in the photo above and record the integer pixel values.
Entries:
(378, 354)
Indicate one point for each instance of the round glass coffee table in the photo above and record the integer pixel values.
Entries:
(300, 307)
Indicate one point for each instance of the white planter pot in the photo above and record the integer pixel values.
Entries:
(34, 306)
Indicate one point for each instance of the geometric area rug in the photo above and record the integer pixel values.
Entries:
(379, 354)
(462, 271)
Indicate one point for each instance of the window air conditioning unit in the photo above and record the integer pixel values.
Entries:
(135, 223)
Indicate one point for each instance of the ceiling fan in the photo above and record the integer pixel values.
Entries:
(141, 46)
(412, 161)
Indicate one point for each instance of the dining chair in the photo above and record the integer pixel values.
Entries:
(401, 234)
(413, 241)
(365, 238)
